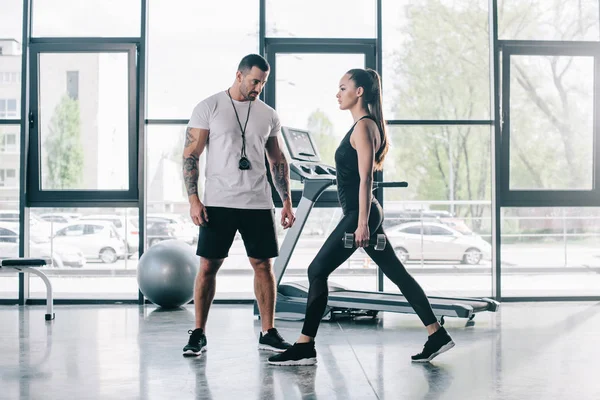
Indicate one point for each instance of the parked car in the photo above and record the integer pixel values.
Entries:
(60, 217)
(58, 220)
(96, 239)
(127, 228)
(393, 217)
(434, 241)
(39, 247)
(177, 227)
(38, 226)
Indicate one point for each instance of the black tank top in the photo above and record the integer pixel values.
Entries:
(348, 176)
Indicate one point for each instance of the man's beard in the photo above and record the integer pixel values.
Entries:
(248, 97)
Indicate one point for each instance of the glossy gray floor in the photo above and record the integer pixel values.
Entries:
(525, 351)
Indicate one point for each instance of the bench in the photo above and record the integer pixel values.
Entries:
(31, 265)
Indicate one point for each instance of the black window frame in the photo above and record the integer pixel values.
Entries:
(38, 197)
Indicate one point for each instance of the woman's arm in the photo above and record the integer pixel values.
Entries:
(363, 140)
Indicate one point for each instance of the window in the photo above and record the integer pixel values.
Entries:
(7, 236)
(73, 230)
(435, 59)
(8, 178)
(9, 77)
(8, 143)
(413, 230)
(328, 19)
(548, 20)
(8, 108)
(550, 251)
(437, 230)
(85, 140)
(193, 36)
(90, 18)
(73, 84)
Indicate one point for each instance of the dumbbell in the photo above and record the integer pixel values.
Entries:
(378, 243)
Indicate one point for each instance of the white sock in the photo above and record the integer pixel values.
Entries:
(265, 332)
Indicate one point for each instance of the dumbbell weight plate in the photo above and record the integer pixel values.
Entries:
(381, 242)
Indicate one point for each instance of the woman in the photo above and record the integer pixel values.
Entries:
(359, 154)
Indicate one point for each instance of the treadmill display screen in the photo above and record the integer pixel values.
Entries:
(300, 144)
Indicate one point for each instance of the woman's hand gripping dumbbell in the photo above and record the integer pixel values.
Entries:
(378, 243)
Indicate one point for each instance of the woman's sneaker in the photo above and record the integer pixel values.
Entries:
(298, 354)
(438, 342)
(273, 341)
(196, 344)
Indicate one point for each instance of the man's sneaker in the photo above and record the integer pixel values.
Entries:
(298, 354)
(197, 343)
(438, 342)
(273, 341)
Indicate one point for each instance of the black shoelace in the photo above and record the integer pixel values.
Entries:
(275, 333)
(196, 335)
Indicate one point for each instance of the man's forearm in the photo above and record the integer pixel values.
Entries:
(191, 174)
(280, 171)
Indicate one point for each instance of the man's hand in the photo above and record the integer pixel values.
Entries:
(198, 213)
(287, 215)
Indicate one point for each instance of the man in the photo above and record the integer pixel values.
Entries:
(236, 127)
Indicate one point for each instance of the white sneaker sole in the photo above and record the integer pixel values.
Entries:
(190, 353)
(270, 348)
(304, 361)
(443, 349)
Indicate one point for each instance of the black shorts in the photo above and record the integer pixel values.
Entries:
(257, 228)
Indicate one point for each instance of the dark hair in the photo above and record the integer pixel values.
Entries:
(369, 80)
(253, 60)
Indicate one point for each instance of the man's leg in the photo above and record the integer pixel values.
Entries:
(214, 242)
(265, 291)
(204, 289)
(257, 228)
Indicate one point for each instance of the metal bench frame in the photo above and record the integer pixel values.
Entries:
(32, 265)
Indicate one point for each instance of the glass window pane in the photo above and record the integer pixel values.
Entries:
(10, 140)
(9, 206)
(168, 208)
(551, 122)
(436, 59)
(193, 54)
(550, 252)
(84, 139)
(91, 257)
(90, 18)
(548, 20)
(329, 19)
(306, 97)
(11, 33)
(448, 169)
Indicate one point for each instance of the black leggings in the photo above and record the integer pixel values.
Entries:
(333, 254)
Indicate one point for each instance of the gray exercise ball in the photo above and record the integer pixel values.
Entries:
(166, 273)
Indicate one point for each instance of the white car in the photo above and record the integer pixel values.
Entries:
(433, 241)
(127, 228)
(96, 239)
(38, 226)
(39, 247)
(179, 227)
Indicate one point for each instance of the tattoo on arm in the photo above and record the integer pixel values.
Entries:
(191, 174)
(280, 171)
(189, 138)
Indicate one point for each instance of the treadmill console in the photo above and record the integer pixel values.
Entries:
(306, 163)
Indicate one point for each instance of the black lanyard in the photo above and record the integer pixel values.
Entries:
(240, 124)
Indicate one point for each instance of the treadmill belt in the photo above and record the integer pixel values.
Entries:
(351, 295)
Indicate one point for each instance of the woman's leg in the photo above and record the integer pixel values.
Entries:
(392, 267)
(332, 255)
(439, 341)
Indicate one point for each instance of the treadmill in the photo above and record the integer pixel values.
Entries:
(292, 296)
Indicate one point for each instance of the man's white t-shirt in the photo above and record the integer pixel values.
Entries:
(226, 185)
